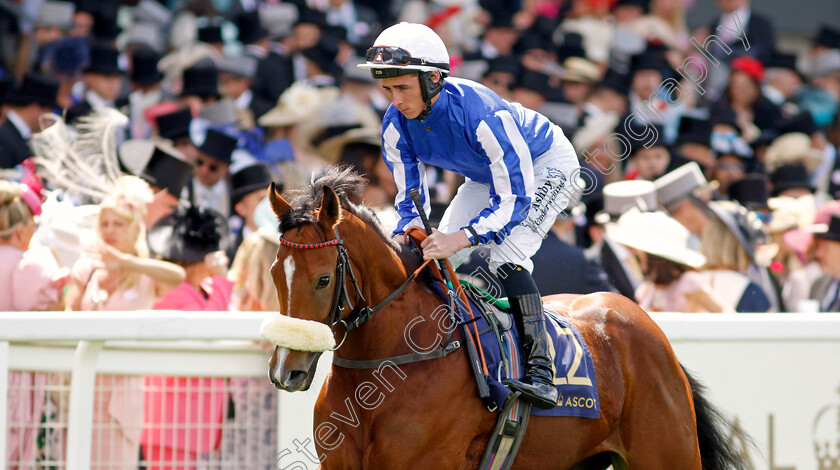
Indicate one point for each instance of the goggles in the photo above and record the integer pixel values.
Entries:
(392, 55)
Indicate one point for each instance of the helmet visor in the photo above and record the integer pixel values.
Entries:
(391, 55)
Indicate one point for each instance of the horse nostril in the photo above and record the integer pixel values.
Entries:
(297, 376)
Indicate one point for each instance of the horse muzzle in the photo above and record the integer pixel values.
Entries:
(292, 371)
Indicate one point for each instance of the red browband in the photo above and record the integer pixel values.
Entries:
(309, 246)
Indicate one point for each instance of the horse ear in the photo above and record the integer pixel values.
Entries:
(330, 210)
(278, 204)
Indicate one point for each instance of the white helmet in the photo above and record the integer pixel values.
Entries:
(406, 46)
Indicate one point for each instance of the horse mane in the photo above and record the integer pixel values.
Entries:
(348, 185)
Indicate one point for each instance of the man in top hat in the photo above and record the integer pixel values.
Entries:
(782, 82)
(646, 71)
(500, 75)
(649, 156)
(827, 38)
(620, 264)
(737, 23)
(248, 189)
(751, 192)
(236, 74)
(694, 142)
(321, 67)
(103, 79)
(210, 184)
(578, 78)
(200, 86)
(826, 289)
(175, 127)
(734, 158)
(146, 91)
(211, 33)
(35, 98)
(531, 88)
(609, 95)
(275, 72)
(790, 179)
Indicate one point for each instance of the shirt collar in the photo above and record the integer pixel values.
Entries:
(20, 124)
(244, 100)
(97, 102)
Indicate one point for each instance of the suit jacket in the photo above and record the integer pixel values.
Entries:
(560, 268)
(616, 271)
(760, 35)
(274, 74)
(823, 287)
(13, 147)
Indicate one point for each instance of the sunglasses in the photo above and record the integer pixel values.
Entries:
(392, 55)
(210, 166)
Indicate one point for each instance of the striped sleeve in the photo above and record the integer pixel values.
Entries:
(512, 171)
(409, 173)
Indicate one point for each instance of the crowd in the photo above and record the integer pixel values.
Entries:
(138, 139)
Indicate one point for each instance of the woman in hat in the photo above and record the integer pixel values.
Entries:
(117, 274)
(30, 279)
(183, 416)
(671, 283)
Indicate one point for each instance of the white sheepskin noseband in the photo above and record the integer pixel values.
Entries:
(297, 334)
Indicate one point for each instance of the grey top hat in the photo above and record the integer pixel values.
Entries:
(150, 11)
(621, 196)
(143, 34)
(56, 15)
(220, 112)
(677, 184)
(241, 66)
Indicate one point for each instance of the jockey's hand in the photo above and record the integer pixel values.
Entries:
(441, 245)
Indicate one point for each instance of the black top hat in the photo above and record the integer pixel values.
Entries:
(827, 37)
(790, 176)
(802, 122)
(38, 89)
(503, 63)
(105, 25)
(144, 67)
(175, 124)
(647, 60)
(218, 146)
(533, 80)
(500, 20)
(832, 232)
(311, 16)
(694, 131)
(323, 55)
(531, 39)
(189, 234)
(201, 80)
(645, 142)
(104, 60)
(572, 46)
(780, 60)
(166, 171)
(251, 178)
(725, 115)
(250, 28)
(643, 4)
(615, 80)
(750, 191)
(211, 33)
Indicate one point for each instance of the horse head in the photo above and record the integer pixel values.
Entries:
(317, 286)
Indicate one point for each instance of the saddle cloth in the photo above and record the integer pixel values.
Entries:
(574, 369)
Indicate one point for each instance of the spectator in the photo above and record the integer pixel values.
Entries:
(248, 189)
(34, 99)
(500, 75)
(826, 289)
(175, 127)
(694, 142)
(749, 24)
(200, 86)
(236, 74)
(146, 91)
(103, 79)
(183, 416)
(733, 159)
(212, 169)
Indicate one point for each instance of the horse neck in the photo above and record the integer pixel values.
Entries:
(380, 272)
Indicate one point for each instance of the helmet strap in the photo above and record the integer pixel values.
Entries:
(428, 90)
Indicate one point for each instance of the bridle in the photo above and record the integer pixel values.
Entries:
(359, 315)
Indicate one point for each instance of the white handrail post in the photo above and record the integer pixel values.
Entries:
(80, 419)
(4, 401)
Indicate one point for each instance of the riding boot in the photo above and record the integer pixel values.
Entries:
(537, 387)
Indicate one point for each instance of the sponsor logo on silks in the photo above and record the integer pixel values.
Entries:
(555, 173)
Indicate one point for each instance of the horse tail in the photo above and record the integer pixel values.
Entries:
(715, 451)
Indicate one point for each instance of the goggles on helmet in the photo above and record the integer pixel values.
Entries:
(391, 55)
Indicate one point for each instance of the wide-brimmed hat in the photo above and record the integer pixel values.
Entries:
(218, 146)
(36, 88)
(175, 124)
(621, 196)
(684, 181)
(791, 213)
(794, 147)
(331, 147)
(832, 231)
(249, 179)
(189, 234)
(297, 104)
(790, 176)
(144, 67)
(655, 233)
(158, 163)
(201, 80)
(750, 191)
(580, 70)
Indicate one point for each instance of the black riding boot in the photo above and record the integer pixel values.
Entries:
(537, 386)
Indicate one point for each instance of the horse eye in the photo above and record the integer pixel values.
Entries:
(324, 281)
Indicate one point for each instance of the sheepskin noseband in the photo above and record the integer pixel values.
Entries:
(297, 334)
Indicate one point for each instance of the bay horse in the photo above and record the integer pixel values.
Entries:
(428, 415)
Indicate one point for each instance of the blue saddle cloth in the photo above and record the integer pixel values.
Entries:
(574, 369)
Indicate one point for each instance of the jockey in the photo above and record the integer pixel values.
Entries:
(519, 170)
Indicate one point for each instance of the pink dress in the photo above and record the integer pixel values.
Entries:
(29, 281)
(672, 298)
(118, 399)
(184, 415)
